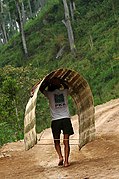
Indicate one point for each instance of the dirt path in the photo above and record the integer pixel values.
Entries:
(97, 160)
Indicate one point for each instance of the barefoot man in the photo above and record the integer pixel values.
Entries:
(57, 93)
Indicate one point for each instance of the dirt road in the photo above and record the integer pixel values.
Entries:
(96, 160)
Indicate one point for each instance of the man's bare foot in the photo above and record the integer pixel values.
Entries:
(60, 162)
(66, 164)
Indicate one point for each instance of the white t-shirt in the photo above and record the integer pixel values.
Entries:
(58, 103)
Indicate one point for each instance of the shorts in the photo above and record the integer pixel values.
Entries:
(59, 125)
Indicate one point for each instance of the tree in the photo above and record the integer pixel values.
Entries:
(42, 2)
(69, 28)
(21, 26)
(13, 16)
(30, 9)
(72, 8)
(2, 23)
(14, 93)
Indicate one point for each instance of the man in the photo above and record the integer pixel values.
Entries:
(57, 95)
(57, 92)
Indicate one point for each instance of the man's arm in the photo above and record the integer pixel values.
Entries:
(43, 87)
(33, 88)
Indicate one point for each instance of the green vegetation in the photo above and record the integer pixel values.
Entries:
(96, 32)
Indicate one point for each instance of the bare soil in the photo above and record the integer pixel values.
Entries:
(96, 160)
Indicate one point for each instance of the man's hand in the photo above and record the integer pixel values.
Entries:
(32, 93)
(33, 89)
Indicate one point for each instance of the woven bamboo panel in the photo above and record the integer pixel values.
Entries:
(82, 96)
(30, 136)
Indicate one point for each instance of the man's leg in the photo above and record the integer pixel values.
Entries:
(66, 149)
(59, 152)
(56, 130)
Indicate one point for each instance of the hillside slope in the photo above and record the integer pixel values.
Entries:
(98, 159)
(96, 34)
(96, 38)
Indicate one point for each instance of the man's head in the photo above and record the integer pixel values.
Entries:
(54, 83)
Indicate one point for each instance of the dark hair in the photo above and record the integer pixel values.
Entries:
(54, 84)
(52, 87)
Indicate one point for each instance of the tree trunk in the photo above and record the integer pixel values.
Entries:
(91, 42)
(73, 5)
(1, 36)
(16, 110)
(4, 33)
(72, 12)
(12, 29)
(16, 27)
(1, 42)
(72, 9)
(69, 28)
(42, 3)
(60, 52)
(23, 13)
(36, 8)
(21, 28)
(5, 38)
(30, 9)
